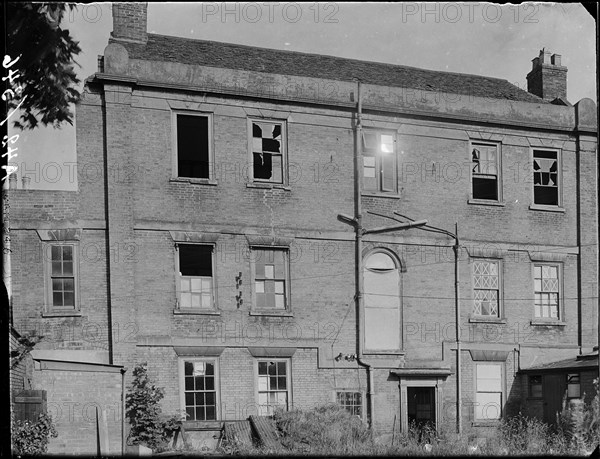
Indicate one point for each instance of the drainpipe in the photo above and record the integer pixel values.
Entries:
(123, 371)
(359, 262)
(456, 248)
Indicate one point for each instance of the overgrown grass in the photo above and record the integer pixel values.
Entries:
(331, 430)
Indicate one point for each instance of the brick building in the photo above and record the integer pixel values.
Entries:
(250, 223)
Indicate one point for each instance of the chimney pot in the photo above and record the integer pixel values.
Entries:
(26, 180)
(555, 59)
(12, 181)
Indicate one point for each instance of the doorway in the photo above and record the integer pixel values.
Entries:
(421, 406)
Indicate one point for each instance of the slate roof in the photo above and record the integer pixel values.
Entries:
(249, 58)
(581, 362)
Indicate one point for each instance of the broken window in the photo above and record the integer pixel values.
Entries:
(63, 277)
(351, 401)
(535, 386)
(270, 278)
(546, 177)
(195, 276)
(486, 288)
(268, 151)
(193, 146)
(381, 303)
(485, 166)
(547, 291)
(273, 385)
(488, 396)
(200, 390)
(379, 162)
(573, 385)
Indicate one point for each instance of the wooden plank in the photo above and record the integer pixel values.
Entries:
(239, 432)
(265, 430)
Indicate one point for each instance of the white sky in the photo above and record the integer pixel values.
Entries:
(479, 38)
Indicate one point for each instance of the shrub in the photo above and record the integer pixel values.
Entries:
(148, 425)
(32, 438)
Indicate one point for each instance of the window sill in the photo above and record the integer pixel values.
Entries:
(381, 195)
(396, 353)
(558, 209)
(491, 423)
(194, 181)
(202, 425)
(196, 312)
(270, 313)
(482, 202)
(268, 186)
(61, 314)
(486, 320)
(551, 323)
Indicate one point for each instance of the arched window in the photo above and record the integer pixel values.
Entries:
(381, 303)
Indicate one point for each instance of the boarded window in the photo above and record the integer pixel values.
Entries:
(267, 151)
(485, 167)
(270, 278)
(486, 288)
(379, 162)
(200, 390)
(547, 293)
(488, 397)
(195, 276)
(381, 303)
(273, 386)
(193, 146)
(545, 178)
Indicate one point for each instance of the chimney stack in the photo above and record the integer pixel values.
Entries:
(548, 78)
(130, 22)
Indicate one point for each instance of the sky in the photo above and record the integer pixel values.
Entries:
(477, 38)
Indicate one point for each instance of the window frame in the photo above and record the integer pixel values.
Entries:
(50, 309)
(560, 308)
(287, 310)
(191, 310)
(559, 204)
(398, 264)
(351, 391)
(578, 384)
(472, 174)
(500, 265)
(530, 385)
(378, 166)
(211, 147)
(284, 154)
(502, 392)
(217, 389)
(288, 366)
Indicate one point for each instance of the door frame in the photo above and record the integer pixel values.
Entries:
(404, 384)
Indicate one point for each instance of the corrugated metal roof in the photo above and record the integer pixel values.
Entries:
(249, 58)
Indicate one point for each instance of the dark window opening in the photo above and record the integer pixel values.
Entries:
(195, 260)
(62, 276)
(485, 172)
(267, 155)
(545, 178)
(193, 146)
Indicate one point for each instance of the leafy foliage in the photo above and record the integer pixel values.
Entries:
(46, 73)
(32, 438)
(148, 425)
(26, 344)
